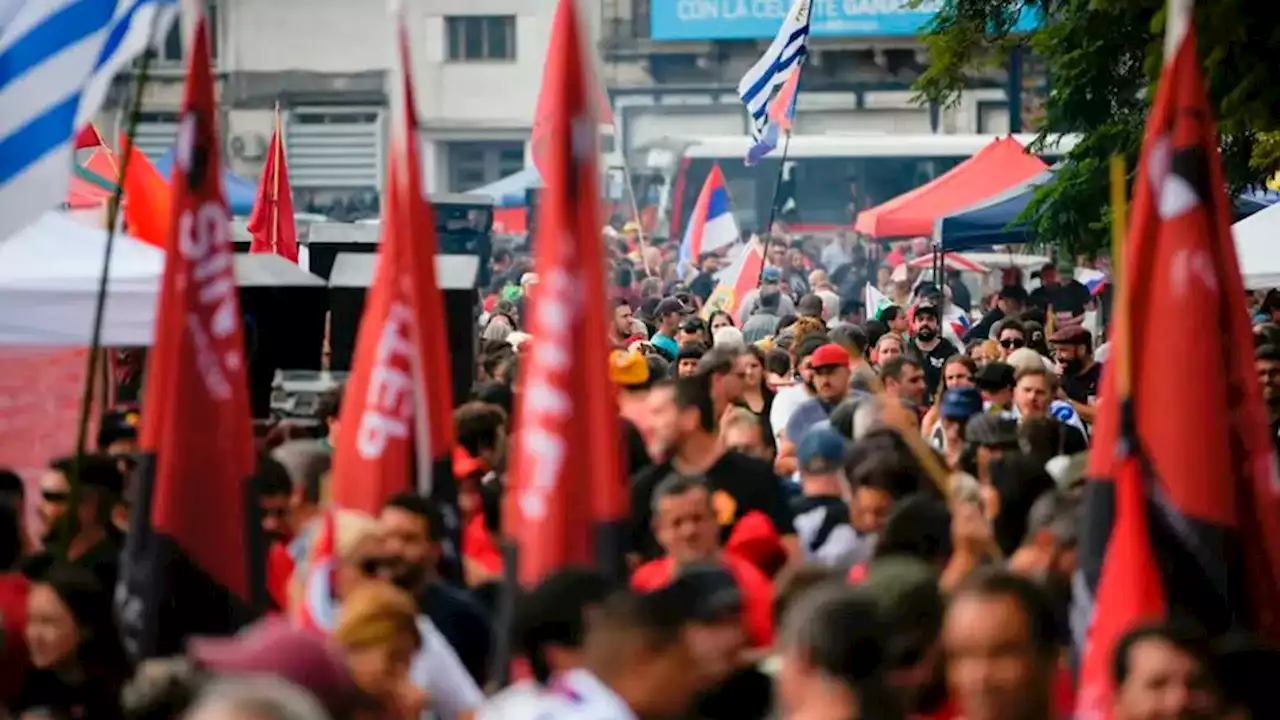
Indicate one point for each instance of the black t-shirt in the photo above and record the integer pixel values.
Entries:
(463, 623)
(739, 484)
(1068, 297)
(1083, 386)
(931, 363)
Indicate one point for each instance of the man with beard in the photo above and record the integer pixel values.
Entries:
(929, 348)
(413, 530)
(96, 544)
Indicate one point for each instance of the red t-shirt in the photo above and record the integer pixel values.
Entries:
(478, 545)
(279, 572)
(14, 662)
(757, 592)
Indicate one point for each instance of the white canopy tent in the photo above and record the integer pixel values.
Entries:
(49, 276)
(1257, 240)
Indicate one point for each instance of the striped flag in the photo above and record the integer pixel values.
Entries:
(776, 66)
(57, 61)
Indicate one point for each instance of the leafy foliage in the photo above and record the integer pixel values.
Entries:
(1103, 58)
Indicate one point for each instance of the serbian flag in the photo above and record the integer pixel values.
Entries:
(397, 412)
(149, 199)
(567, 499)
(271, 222)
(711, 225)
(195, 557)
(781, 115)
(553, 67)
(1210, 472)
(734, 282)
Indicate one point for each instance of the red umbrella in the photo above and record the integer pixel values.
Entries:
(950, 261)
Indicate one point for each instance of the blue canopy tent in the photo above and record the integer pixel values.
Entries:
(994, 220)
(241, 193)
(989, 222)
(510, 190)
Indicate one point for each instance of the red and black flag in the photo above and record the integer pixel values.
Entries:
(194, 557)
(567, 497)
(397, 413)
(1191, 431)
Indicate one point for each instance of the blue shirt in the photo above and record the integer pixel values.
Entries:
(667, 346)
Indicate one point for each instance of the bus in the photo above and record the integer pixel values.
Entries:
(826, 180)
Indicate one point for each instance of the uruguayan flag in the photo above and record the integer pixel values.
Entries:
(778, 63)
(57, 61)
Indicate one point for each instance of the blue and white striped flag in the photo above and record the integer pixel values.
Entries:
(776, 65)
(57, 61)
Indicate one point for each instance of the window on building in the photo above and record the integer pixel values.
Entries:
(170, 53)
(481, 37)
(474, 164)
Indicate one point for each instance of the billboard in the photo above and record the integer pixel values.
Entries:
(752, 19)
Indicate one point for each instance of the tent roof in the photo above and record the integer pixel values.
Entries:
(49, 275)
(271, 270)
(987, 222)
(1257, 250)
(241, 193)
(993, 169)
(510, 190)
(355, 270)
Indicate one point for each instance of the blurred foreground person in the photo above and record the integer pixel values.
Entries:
(1161, 672)
(550, 630)
(259, 698)
(638, 662)
(79, 664)
(832, 645)
(1001, 639)
(378, 633)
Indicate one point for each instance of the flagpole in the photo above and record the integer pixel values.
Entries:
(275, 185)
(95, 338)
(773, 205)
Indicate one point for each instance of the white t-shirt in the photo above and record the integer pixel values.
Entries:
(580, 695)
(784, 404)
(437, 670)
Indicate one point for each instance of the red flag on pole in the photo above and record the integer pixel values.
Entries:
(398, 405)
(194, 554)
(567, 497)
(554, 67)
(149, 200)
(271, 222)
(1209, 464)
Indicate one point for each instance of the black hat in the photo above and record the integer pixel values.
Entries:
(926, 309)
(995, 377)
(991, 430)
(668, 306)
(707, 591)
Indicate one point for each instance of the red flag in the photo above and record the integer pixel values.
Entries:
(1210, 459)
(399, 394)
(554, 67)
(89, 137)
(271, 222)
(567, 495)
(193, 557)
(149, 202)
(1130, 590)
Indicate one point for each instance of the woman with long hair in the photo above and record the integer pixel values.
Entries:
(79, 664)
(757, 396)
(378, 634)
(957, 371)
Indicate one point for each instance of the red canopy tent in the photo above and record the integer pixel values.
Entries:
(993, 169)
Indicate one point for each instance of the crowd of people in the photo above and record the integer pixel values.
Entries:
(835, 512)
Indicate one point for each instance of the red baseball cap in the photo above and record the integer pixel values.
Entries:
(829, 355)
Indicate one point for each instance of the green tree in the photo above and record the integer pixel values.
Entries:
(1103, 58)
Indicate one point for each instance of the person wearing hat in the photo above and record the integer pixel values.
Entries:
(1078, 374)
(988, 437)
(693, 330)
(770, 277)
(928, 348)
(1069, 297)
(831, 373)
(823, 526)
(959, 404)
(995, 381)
(764, 320)
(669, 314)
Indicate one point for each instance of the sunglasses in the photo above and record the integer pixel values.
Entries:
(373, 566)
(1012, 344)
(54, 496)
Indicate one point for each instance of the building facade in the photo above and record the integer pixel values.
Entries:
(670, 67)
(477, 66)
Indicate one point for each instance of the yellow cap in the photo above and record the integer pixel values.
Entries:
(628, 369)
